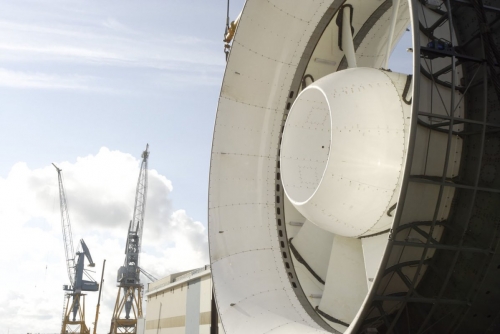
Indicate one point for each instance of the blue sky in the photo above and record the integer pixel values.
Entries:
(81, 75)
(86, 84)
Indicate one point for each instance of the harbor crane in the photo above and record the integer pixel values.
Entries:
(73, 318)
(128, 306)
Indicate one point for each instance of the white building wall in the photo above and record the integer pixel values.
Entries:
(180, 304)
(141, 323)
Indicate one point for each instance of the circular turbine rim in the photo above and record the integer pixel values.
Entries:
(407, 170)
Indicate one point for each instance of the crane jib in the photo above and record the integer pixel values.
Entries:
(74, 312)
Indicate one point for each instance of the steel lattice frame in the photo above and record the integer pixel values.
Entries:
(446, 298)
(453, 291)
(78, 325)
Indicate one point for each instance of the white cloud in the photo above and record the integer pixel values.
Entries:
(19, 79)
(56, 45)
(114, 24)
(106, 48)
(100, 190)
(107, 42)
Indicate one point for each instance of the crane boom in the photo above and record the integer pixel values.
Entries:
(129, 273)
(140, 194)
(66, 229)
(74, 312)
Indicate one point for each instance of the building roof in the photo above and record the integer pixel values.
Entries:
(176, 279)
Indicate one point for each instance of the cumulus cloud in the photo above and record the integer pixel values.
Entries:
(20, 79)
(108, 42)
(100, 189)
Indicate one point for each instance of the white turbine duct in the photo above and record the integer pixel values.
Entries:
(332, 178)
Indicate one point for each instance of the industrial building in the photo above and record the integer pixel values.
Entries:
(182, 303)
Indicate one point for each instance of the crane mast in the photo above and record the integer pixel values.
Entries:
(73, 320)
(128, 306)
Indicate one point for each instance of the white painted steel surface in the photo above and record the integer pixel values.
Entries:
(343, 147)
(347, 42)
(247, 264)
(315, 246)
(373, 250)
(345, 287)
(253, 287)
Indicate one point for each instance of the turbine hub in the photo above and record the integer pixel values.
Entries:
(343, 147)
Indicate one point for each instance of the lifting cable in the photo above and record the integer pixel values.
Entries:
(226, 44)
(230, 31)
(227, 19)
